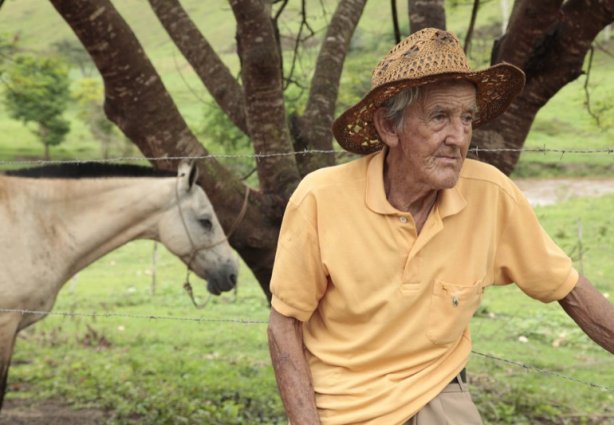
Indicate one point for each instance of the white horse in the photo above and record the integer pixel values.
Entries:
(56, 224)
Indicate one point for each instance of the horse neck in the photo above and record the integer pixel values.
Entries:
(103, 214)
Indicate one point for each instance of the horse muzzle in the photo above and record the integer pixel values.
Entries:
(222, 280)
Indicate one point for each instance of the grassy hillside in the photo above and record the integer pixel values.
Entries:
(563, 123)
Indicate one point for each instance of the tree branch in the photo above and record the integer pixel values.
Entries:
(395, 21)
(474, 16)
(527, 26)
(206, 63)
(280, 10)
(313, 129)
(558, 60)
(288, 79)
(262, 83)
(554, 58)
(587, 95)
(135, 97)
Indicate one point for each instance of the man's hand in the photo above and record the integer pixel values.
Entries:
(592, 312)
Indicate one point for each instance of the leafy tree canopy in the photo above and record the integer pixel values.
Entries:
(38, 91)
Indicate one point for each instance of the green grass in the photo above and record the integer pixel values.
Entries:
(205, 366)
(514, 327)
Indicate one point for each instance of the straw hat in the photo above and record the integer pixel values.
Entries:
(425, 57)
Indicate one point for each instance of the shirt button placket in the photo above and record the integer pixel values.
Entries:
(403, 219)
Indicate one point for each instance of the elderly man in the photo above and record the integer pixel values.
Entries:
(382, 261)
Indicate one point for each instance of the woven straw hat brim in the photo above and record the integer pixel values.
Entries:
(496, 88)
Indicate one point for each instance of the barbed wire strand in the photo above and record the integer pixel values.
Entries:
(132, 316)
(263, 322)
(544, 371)
(475, 150)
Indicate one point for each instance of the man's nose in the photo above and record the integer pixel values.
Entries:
(457, 132)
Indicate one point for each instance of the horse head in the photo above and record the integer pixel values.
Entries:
(191, 230)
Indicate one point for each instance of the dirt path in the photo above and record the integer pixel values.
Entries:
(552, 191)
(48, 412)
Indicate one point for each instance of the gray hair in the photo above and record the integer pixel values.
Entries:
(394, 107)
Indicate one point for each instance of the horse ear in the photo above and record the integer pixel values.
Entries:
(187, 172)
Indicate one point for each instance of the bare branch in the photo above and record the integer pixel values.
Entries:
(474, 16)
(297, 43)
(280, 10)
(395, 21)
(599, 46)
(587, 98)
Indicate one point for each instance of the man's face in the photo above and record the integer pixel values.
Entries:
(432, 142)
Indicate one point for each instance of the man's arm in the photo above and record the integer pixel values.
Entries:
(592, 312)
(291, 369)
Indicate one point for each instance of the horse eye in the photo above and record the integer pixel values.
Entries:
(206, 223)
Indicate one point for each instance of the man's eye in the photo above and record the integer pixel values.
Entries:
(206, 223)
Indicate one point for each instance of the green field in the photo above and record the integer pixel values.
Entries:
(564, 123)
(153, 358)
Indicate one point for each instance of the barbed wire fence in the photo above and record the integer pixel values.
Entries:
(474, 150)
(251, 322)
(264, 322)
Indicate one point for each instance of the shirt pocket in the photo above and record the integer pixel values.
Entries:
(452, 306)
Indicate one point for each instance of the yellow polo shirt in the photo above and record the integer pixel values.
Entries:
(386, 312)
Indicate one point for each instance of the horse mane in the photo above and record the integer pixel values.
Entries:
(85, 170)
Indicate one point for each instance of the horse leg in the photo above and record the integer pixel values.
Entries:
(8, 335)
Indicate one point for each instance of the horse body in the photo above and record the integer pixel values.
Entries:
(52, 228)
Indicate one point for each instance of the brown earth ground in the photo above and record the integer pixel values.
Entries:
(551, 191)
(48, 412)
(55, 412)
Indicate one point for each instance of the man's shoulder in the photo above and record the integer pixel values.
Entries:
(353, 168)
(481, 176)
(334, 178)
(473, 169)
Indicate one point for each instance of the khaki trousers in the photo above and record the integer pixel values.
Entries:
(453, 406)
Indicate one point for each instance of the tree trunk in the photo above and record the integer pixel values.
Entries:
(266, 113)
(137, 101)
(426, 14)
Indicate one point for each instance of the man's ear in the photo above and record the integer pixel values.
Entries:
(387, 132)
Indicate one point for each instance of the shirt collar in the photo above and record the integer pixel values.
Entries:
(449, 201)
